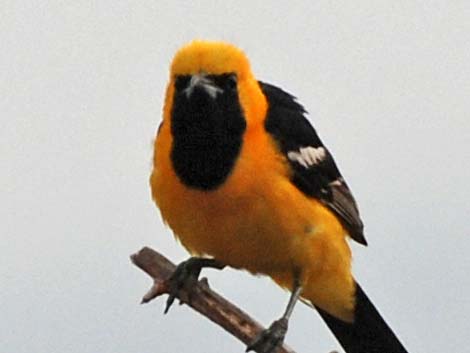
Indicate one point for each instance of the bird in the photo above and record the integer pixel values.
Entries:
(243, 180)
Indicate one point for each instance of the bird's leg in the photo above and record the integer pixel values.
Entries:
(270, 339)
(186, 275)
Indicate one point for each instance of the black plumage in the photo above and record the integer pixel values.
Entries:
(287, 123)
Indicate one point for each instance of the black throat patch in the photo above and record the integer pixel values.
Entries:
(207, 133)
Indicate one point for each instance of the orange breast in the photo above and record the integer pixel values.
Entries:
(259, 221)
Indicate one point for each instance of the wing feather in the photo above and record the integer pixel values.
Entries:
(314, 170)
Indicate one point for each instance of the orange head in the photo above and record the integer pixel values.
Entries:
(200, 60)
(210, 57)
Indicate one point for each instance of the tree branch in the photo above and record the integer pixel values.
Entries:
(203, 299)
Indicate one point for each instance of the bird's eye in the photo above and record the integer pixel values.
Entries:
(231, 82)
(181, 82)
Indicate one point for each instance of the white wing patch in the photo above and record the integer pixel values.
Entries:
(307, 156)
(337, 182)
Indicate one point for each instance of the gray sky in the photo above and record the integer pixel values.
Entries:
(387, 85)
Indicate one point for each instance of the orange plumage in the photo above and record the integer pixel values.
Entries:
(257, 219)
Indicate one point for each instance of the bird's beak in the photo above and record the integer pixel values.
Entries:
(201, 80)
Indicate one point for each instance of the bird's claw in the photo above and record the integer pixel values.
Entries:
(185, 276)
(269, 340)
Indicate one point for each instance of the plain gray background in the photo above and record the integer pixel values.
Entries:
(387, 85)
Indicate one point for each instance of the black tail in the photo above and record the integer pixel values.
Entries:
(369, 333)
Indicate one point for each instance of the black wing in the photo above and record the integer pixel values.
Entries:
(315, 171)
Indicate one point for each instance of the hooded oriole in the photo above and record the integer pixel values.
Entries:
(243, 180)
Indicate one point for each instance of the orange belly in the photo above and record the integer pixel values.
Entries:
(259, 221)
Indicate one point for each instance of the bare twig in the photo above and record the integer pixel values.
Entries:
(203, 299)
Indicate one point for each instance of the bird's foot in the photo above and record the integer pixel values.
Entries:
(184, 277)
(269, 340)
